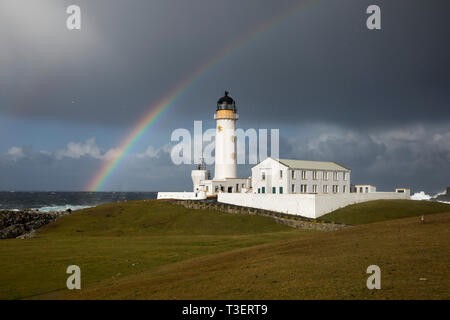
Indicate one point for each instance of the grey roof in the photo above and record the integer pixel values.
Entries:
(312, 165)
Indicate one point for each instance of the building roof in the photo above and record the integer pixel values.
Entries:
(312, 165)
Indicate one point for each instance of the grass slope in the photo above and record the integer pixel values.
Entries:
(156, 250)
(413, 257)
(381, 210)
(124, 239)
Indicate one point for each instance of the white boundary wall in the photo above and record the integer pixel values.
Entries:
(325, 203)
(299, 204)
(182, 195)
(306, 205)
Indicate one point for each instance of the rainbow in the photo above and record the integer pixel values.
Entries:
(157, 110)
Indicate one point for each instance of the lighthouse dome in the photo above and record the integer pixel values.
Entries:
(226, 103)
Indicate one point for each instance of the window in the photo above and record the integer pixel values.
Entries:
(293, 188)
(259, 190)
(303, 188)
(335, 188)
(304, 175)
(243, 185)
(274, 190)
(345, 176)
(263, 190)
(314, 188)
(367, 189)
(360, 189)
(325, 175)
(314, 175)
(293, 174)
(335, 176)
(281, 190)
(281, 174)
(325, 189)
(344, 189)
(263, 175)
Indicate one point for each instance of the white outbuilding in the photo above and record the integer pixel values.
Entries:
(363, 188)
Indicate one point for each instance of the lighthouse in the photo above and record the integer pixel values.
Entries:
(225, 168)
(225, 158)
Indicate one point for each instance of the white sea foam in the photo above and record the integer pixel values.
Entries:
(440, 194)
(423, 196)
(420, 196)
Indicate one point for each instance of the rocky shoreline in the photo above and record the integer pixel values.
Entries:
(23, 223)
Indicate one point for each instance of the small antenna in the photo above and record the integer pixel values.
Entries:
(202, 164)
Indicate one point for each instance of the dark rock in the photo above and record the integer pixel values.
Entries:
(17, 223)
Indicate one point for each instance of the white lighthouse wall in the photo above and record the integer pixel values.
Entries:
(225, 159)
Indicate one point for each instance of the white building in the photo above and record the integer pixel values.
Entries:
(286, 176)
(307, 188)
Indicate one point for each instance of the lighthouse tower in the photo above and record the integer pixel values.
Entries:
(225, 116)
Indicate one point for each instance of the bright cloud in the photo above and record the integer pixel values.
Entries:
(16, 153)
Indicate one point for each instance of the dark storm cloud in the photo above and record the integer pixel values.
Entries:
(321, 64)
(126, 57)
(415, 156)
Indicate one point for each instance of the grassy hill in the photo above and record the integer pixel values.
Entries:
(156, 250)
(381, 210)
(122, 239)
(325, 265)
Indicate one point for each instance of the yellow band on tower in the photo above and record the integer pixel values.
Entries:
(224, 114)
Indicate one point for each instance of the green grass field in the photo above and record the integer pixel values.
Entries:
(119, 240)
(381, 210)
(156, 250)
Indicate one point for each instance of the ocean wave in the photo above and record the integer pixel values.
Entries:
(62, 208)
(423, 196)
(420, 196)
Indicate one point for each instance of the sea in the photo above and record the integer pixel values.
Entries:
(47, 201)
